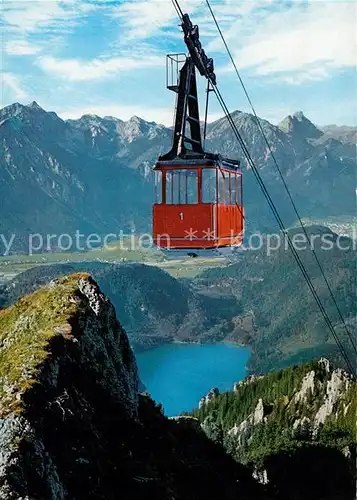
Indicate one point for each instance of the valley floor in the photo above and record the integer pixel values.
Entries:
(10, 266)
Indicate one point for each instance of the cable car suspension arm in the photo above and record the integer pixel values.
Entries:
(191, 38)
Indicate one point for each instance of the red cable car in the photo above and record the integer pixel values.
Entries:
(199, 196)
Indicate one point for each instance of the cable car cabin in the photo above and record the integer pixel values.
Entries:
(199, 195)
(199, 205)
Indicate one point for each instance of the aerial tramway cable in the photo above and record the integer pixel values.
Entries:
(283, 229)
(275, 212)
(178, 9)
(353, 342)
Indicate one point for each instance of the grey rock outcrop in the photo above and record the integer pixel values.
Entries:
(307, 387)
(86, 358)
(337, 386)
(213, 393)
(244, 431)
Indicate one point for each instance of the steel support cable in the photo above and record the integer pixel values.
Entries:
(206, 114)
(350, 336)
(177, 8)
(283, 229)
(279, 220)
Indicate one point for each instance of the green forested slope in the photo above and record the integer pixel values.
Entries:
(290, 419)
(290, 325)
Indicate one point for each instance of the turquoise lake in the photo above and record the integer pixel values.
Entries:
(178, 375)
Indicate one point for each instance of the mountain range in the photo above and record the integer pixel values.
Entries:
(94, 174)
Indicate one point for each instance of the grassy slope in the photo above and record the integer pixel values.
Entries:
(25, 331)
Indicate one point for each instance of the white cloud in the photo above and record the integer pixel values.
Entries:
(238, 20)
(20, 48)
(273, 41)
(12, 82)
(303, 43)
(80, 70)
(297, 77)
(32, 26)
(34, 15)
(143, 18)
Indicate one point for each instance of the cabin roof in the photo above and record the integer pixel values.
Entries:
(199, 161)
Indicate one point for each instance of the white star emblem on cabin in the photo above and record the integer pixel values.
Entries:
(209, 235)
(191, 235)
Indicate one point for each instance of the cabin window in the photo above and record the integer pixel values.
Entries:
(158, 186)
(176, 182)
(192, 186)
(239, 190)
(227, 192)
(169, 188)
(224, 187)
(233, 188)
(181, 187)
(221, 187)
(209, 185)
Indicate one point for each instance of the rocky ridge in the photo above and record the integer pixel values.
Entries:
(331, 387)
(291, 419)
(62, 352)
(72, 423)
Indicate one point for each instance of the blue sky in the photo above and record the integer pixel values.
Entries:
(108, 57)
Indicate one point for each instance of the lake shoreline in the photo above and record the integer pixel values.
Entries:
(178, 375)
(139, 347)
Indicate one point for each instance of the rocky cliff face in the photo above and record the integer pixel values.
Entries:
(329, 390)
(72, 424)
(302, 419)
(64, 358)
(53, 170)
